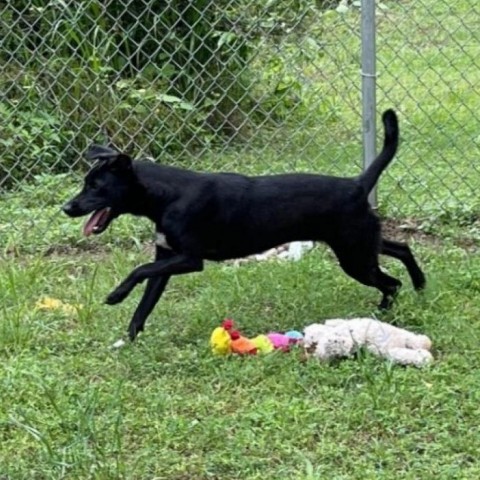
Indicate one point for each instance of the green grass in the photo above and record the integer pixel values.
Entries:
(166, 408)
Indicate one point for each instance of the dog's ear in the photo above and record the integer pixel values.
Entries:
(121, 162)
(98, 152)
(113, 158)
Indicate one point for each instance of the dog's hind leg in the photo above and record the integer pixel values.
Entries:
(389, 287)
(363, 267)
(402, 252)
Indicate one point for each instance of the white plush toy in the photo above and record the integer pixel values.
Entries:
(339, 338)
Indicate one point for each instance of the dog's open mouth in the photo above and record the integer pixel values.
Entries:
(97, 222)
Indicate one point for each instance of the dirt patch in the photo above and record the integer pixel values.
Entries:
(404, 230)
(410, 228)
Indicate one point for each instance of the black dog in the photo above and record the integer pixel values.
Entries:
(219, 216)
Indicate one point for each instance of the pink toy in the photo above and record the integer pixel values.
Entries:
(279, 341)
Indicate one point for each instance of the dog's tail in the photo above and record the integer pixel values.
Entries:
(369, 177)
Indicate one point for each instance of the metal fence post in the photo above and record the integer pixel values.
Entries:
(368, 89)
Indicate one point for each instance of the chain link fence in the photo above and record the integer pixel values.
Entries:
(253, 87)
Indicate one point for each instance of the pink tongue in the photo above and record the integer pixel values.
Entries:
(93, 221)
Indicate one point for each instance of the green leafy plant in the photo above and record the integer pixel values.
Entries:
(186, 66)
(31, 142)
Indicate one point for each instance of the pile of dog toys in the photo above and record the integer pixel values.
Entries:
(226, 340)
(335, 338)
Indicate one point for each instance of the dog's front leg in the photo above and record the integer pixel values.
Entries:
(176, 265)
(153, 291)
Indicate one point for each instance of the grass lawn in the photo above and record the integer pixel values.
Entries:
(166, 408)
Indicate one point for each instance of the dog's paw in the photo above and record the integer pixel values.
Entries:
(117, 296)
(134, 330)
(385, 304)
(420, 282)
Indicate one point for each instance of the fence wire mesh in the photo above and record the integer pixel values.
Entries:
(254, 87)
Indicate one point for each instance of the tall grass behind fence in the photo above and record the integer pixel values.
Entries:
(255, 87)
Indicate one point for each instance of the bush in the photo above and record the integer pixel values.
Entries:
(163, 77)
(31, 141)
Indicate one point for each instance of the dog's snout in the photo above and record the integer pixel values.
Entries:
(68, 208)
